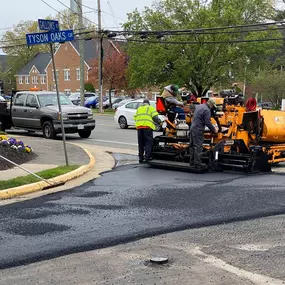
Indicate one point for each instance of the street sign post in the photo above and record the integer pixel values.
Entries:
(48, 25)
(54, 35)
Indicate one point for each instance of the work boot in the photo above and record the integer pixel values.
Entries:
(201, 165)
(148, 159)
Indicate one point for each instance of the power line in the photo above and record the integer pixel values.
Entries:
(50, 6)
(73, 11)
(112, 12)
(195, 43)
(196, 30)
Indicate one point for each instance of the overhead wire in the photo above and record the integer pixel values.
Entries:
(73, 11)
(195, 30)
(204, 42)
(7, 45)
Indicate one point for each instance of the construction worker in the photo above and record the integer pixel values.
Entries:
(201, 118)
(168, 94)
(145, 118)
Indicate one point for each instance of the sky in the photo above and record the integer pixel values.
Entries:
(114, 12)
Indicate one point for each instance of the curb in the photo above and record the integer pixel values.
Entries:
(53, 182)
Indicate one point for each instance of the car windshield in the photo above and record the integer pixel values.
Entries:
(124, 102)
(74, 96)
(51, 100)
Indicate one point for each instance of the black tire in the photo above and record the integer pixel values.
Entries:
(48, 130)
(84, 134)
(123, 122)
(2, 127)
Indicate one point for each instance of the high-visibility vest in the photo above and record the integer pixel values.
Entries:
(144, 115)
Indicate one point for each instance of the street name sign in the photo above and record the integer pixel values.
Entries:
(48, 25)
(49, 37)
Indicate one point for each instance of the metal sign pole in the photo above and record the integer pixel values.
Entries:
(59, 105)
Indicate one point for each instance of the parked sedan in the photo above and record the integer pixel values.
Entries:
(91, 102)
(75, 97)
(117, 105)
(114, 100)
(124, 115)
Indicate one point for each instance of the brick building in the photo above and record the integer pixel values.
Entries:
(39, 71)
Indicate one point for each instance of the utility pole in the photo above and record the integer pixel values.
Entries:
(100, 38)
(81, 51)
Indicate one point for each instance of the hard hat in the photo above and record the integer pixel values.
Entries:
(175, 89)
(211, 101)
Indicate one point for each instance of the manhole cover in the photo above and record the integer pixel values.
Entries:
(159, 260)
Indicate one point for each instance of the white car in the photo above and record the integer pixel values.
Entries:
(124, 115)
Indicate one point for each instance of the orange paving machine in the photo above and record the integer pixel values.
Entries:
(249, 139)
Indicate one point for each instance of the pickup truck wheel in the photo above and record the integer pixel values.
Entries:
(3, 127)
(48, 130)
(123, 122)
(84, 134)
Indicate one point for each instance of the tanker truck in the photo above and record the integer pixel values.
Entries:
(249, 139)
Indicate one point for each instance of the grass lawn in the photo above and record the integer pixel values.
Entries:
(23, 180)
(105, 111)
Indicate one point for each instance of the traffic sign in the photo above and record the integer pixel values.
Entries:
(48, 25)
(49, 37)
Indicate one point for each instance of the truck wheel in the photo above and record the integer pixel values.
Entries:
(48, 130)
(84, 134)
(2, 127)
(123, 122)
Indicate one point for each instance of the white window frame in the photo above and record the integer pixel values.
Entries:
(37, 79)
(53, 79)
(77, 74)
(43, 79)
(66, 74)
(33, 79)
(20, 79)
(27, 80)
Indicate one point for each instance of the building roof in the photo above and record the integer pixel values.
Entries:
(90, 49)
(3, 63)
(40, 61)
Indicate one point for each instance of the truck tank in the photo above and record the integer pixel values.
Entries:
(273, 126)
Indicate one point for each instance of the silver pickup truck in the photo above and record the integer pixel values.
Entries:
(38, 110)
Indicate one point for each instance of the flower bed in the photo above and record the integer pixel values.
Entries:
(14, 150)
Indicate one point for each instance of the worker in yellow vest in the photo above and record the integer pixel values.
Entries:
(145, 118)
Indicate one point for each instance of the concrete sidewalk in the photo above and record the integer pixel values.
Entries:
(50, 154)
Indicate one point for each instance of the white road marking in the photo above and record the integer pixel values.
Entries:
(114, 142)
(256, 278)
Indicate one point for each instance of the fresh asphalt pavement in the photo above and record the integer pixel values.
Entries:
(136, 201)
(129, 203)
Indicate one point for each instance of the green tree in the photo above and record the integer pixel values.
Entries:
(14, 41)
(89, 87)
(270, 86)
(18, 53)
(199, 65)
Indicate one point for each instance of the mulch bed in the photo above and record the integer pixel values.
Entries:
(18, 157)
